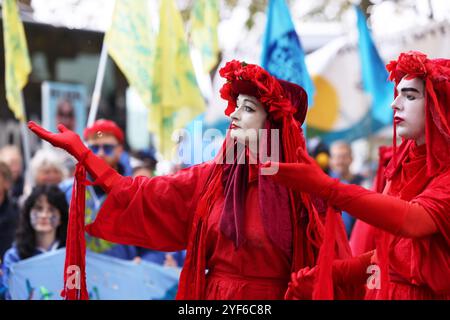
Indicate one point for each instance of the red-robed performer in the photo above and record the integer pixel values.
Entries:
(412, 216)
(244, 234)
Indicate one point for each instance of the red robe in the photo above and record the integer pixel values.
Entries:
(419, 268)
(161, 213)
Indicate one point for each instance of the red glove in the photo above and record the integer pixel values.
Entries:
(346, 272)
(304, 177)
(302, 284)
(68, 140)
(352, 271)
(391, 214)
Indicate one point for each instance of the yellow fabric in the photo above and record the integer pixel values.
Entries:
(130, 42)
(204, 21)
(17, 61)
(176, 98)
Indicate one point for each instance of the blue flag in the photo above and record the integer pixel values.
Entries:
(374, 76)
(282, 52)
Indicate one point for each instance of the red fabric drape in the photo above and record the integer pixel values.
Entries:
(75, 263)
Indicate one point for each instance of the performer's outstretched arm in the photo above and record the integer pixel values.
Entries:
(156, 213)
(71, 142)
(394, 215)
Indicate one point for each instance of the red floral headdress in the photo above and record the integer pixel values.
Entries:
(436, 75)
(272, 93)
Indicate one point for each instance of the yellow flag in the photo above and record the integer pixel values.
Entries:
(204, 21)
(130, 43)
(17, 61)
(176, 97)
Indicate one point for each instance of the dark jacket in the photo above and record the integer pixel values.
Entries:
(8, 222)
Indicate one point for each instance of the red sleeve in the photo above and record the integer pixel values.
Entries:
(362, 238)
(436, 201)
(155, 213)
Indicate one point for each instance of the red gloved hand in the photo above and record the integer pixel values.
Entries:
(302, 284)
(105, 176)
(352, 271)
(386, 212)
(303, 177)
(66, 139)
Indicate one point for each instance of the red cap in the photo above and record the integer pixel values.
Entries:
(104, 126)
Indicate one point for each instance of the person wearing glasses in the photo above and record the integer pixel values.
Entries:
(105, 139)
(65, 114)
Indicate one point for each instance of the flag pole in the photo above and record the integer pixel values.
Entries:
(98, 85)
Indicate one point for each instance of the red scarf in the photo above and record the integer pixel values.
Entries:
(75, 263)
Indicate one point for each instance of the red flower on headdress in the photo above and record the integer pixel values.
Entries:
(391, 67)
(412, 64)
(270, 92)
(226, 93)
(228, 72)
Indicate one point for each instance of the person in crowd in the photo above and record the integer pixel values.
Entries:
(42, 227)
(11, 155)
(47, 167)
(105, 139)
(65, 114)
(8, 210)
(341, 159)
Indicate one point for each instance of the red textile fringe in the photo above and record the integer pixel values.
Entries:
(75, 263)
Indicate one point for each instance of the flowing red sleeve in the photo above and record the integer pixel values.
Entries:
(436, 201)
(155, 213)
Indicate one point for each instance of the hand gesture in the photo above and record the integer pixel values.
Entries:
(66, 139)
(302, 284)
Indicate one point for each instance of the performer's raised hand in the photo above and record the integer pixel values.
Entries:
(304, 177)
(302, 284)
(65, 139)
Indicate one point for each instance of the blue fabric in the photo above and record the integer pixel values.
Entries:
(282, 52)
(374, 75)
(125, 162)
(10, 258)
(107, 278)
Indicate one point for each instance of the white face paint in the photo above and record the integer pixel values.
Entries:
(248, 117)
(44, 217)
(409, 108)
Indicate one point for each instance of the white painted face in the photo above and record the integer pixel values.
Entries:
(248, 117)
(409, 108)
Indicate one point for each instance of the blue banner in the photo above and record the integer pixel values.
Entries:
(282, 52)
(108, 278)
(374, 76)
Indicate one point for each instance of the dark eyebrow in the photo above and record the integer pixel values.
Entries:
(409, 89)
(248, 100)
